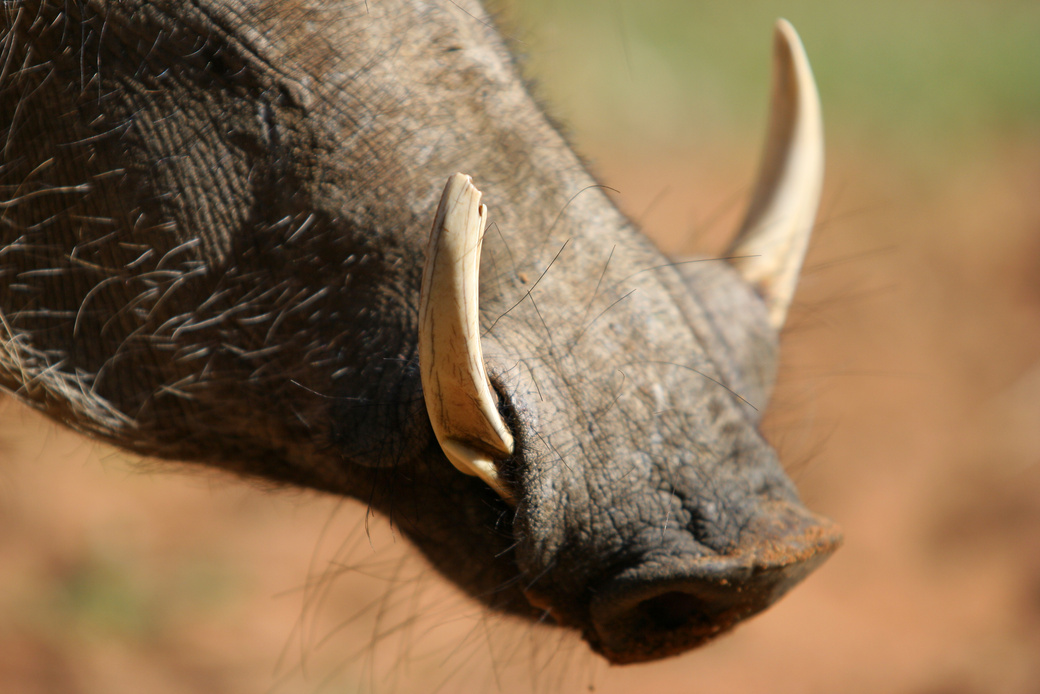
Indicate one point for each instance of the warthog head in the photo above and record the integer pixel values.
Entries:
(215, 223)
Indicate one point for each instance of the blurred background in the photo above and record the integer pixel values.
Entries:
(908, 406)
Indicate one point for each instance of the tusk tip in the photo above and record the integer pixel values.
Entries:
(785, 30)
(787, 41)
(462, 183)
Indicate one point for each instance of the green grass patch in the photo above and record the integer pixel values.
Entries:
(926, 75)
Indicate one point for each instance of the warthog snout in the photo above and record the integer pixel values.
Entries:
(673, 600)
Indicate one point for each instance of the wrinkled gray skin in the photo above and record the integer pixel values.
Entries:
(214, 217)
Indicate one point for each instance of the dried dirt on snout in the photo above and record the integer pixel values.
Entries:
(908, 410)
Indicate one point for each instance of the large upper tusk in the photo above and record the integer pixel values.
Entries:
(458, 395)
(771, 245)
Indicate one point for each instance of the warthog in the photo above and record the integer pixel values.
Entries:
(215, 217)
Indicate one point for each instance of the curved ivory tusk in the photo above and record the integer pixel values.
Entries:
(458, 395)
(771, 245)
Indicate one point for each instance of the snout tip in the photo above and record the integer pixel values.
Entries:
(671, 603)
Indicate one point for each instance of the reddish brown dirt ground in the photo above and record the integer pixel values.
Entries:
(908, 409)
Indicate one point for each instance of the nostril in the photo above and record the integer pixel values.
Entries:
(672, 610)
